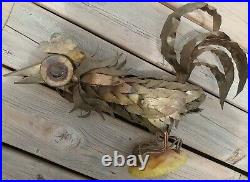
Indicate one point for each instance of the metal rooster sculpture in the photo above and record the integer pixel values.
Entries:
(103, 86)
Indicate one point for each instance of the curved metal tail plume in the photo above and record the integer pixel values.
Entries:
(212, 42)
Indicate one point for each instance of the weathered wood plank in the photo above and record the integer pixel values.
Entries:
(136, 27)
(36, 119)
(229, 125)
(236, 26)
(6, 11)
(20, 165)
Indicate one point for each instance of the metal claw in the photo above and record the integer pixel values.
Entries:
(157, 148)
(177, 143)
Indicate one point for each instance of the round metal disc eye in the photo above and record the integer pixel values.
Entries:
(56, 70)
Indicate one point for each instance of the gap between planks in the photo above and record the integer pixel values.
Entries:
(109, 53)
(19, 164)
(6, 12)
(126, 22)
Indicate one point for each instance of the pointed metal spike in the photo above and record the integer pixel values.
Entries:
(222, 104)
(177, 123)
(102, 115)
(87, 114)
(122, 64)
(116, 63)
(115, 60)
(73, 109)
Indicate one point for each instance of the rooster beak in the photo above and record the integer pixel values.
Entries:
(31, 75)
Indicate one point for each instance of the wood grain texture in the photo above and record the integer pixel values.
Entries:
(20, 165)
(36, 119)
(234, 19)
(229, 125)
(6, 11)
(136, 27)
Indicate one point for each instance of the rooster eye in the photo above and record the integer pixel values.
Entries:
(56, 70)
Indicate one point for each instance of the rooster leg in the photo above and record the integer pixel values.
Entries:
(161, 145)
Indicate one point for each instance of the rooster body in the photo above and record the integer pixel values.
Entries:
(152, 103)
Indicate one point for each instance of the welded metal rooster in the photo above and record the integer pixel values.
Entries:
(103, 86)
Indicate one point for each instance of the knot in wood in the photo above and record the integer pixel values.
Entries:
(66, 137)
